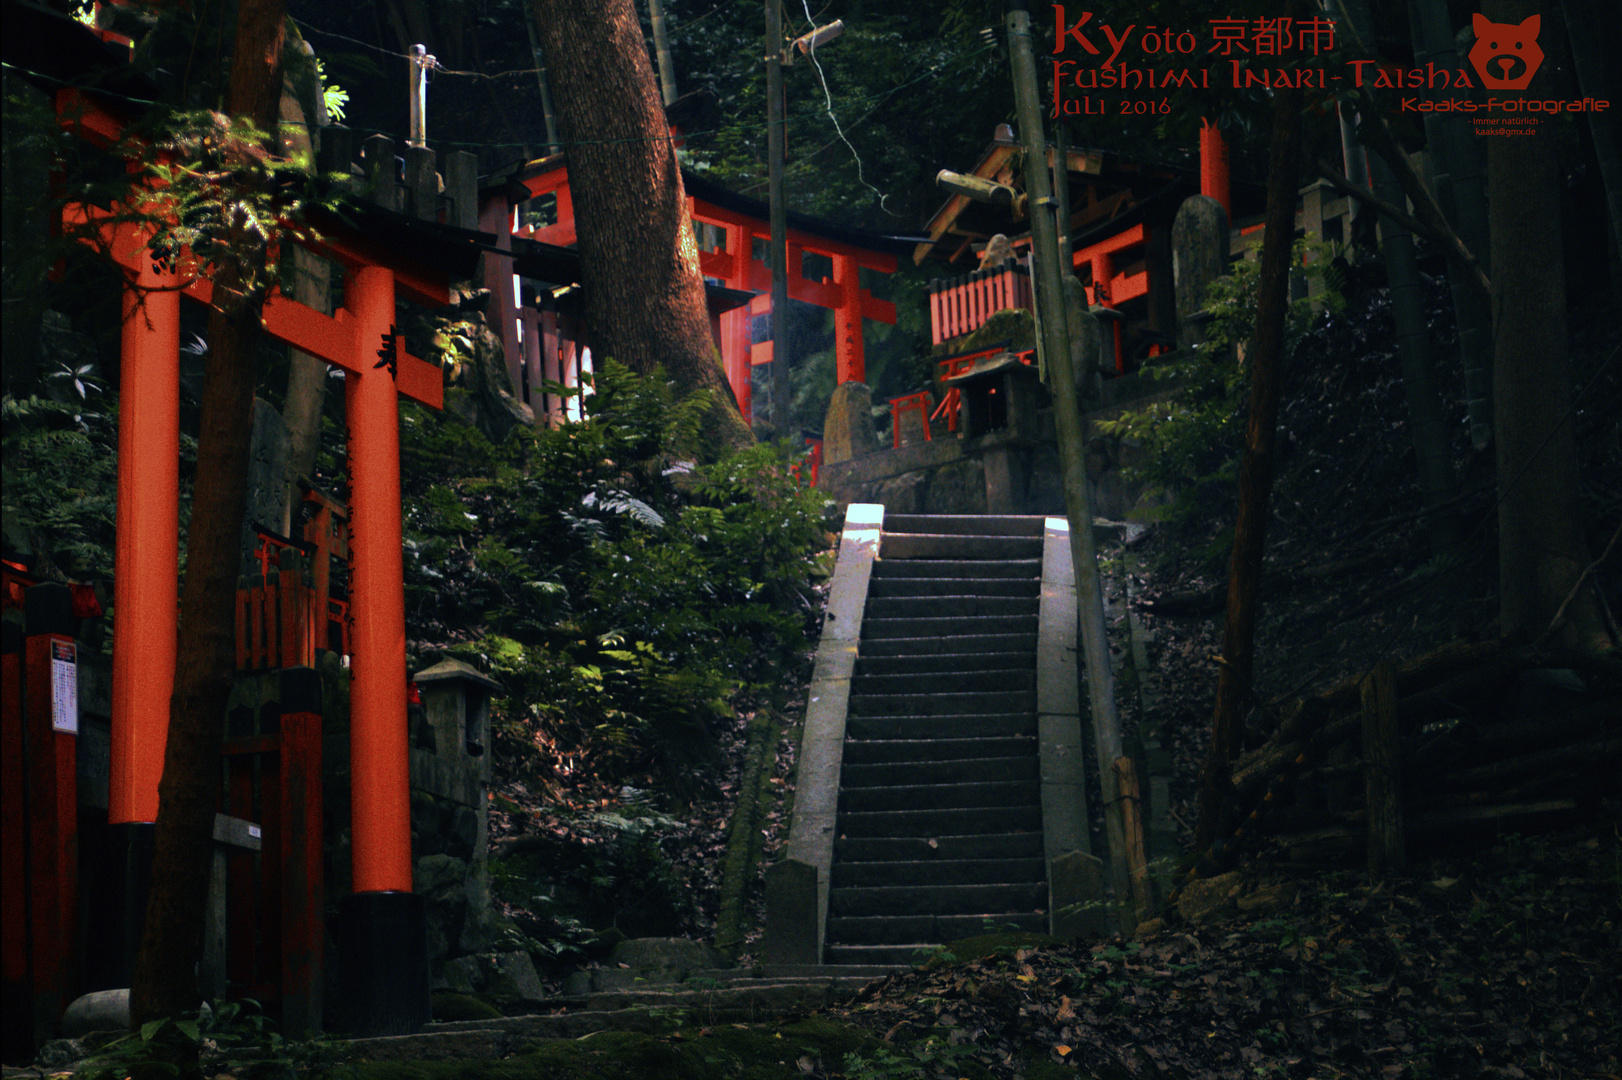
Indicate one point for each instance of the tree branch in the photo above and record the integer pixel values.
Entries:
(1448, 239)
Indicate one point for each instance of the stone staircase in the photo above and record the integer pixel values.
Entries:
(939, 822)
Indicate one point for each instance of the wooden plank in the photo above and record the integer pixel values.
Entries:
(1137, 859)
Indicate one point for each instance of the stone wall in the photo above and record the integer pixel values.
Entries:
(994, 473)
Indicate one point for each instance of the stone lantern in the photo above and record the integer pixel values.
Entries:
(456, 699)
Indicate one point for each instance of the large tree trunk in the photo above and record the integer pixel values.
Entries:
(1256, 467)
(1426, 428)
(1541, 551)
(644, 295)
(165, 981)
(311, 284)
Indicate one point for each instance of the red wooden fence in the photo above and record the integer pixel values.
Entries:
(961, 305)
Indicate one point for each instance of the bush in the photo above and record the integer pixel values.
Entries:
(1192, 442)
(621, 594)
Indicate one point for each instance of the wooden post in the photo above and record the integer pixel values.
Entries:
(382, 925)
(1382, 772)
(1137, 859)
(851, 362)
(1052, 319)
(302, 883)
(1214, 166)
(381, 790)
(146, 555)
(496, 216)
(19, 1036)
(51, 728)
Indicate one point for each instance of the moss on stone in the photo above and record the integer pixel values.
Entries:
(754, 1052)
(449, 1006)
(1008, 943)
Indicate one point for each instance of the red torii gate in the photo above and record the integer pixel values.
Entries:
(385, 965)
(735, 267)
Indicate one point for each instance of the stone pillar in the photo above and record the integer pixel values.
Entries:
(1199, 255)
(847, 428)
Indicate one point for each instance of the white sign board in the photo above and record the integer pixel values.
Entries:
(65, 687)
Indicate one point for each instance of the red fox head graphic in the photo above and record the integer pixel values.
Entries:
(1506, 56)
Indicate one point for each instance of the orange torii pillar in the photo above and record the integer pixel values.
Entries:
(382, 928)
(1214, 166)
(851, 361)
(146, 565)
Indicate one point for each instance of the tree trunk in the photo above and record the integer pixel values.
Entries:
(643, 292)
(1256, 468)
(1541, 551)
(1460, 189)
(306, 374)
(1425, 425)
(165, 981)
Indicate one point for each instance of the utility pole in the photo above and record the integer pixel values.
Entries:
(553, 144)
(1054, 339)
(417, 85)
(776, 137)
(661, 48)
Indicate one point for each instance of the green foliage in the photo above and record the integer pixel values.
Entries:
(621, 594)
(59, 472)
(610, 865)
(233, 1031)
(927, 1058)
(1191, 442)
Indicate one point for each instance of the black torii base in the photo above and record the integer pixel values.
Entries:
(383, 984)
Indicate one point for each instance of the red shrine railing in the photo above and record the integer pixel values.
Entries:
(961, 305)
(290, 610)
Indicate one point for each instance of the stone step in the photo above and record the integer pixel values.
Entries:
(949, 848)
(968, 703)
(950, 771)
(956, 821)
(948, 607)
(950, 645)
(958, 546)
(920, 931)
(911, 727)
(966, 569)
(938, 872)
(949, 626)
(912, 797)
(865, 753)
(908, 955)
(889, 587)
(967, 524)
(950, 663)
(647, 1010)
(899, 900)
(943, 682)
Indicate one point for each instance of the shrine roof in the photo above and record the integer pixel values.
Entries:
(1109, 191)
(55, 52)
(561, 266)
(511, 180)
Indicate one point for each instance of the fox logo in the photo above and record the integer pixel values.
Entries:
(1502, 49)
